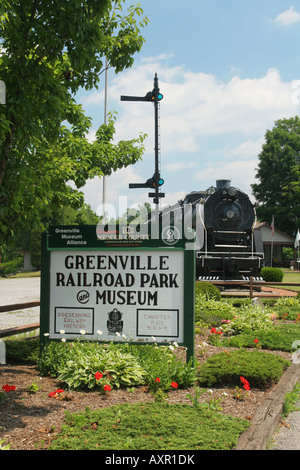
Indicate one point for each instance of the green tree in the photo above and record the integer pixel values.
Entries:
(278, 173)
(48, 51)
(68, 215)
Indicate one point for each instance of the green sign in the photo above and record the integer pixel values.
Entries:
(117, 283)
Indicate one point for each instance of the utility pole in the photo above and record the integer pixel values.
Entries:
(105, 122)
(155, 181)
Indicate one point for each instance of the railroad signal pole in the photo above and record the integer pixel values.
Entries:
(156, 181)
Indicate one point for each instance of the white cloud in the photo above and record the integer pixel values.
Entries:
(214, 125)
(288, 17)
(198, 104)
(179, 166)
(240, 172)
(246, 150)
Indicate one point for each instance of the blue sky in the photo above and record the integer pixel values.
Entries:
(227, 69)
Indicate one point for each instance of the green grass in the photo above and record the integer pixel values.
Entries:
(292, 276)
(149, 426)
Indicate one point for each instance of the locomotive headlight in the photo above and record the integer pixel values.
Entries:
(231, 191)
(230, 214)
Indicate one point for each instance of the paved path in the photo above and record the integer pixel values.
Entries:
(287, 436)
(14, 291)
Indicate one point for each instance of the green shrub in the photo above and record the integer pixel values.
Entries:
(287, 302)
(76, 363)
(272, 274)
(209, 290)
(119, 369)
(261, 369)
(53, 357)
(11, 267)
(249, 317)
(22, 351)
(212, 311)
(159, 361)
(287, 308)
(278, 338)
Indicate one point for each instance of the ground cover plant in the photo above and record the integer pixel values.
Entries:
(261, 326)
(261, 369)
(278, 338)
(149, 426)
(212, 311)
(288, 308)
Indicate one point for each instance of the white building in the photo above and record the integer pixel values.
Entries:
(273, 243)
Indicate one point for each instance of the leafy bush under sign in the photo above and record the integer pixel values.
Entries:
(121, 364)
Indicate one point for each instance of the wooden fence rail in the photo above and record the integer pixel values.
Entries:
(251, 284)
(12, 307)
(18, 329)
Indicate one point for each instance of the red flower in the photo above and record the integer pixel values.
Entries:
(245, 382)
(107, 388)
(56, 393)
(174, 384)
(255, 341)
(98, 375)
(157, 379)
(214, 330)
(8, 388)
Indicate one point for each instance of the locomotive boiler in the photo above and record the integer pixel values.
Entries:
(224, 218)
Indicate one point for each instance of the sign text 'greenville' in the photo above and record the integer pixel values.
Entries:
(112, 272)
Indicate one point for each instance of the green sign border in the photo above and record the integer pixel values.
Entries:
(52, 242)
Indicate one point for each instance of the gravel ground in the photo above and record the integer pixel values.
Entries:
(14, 291)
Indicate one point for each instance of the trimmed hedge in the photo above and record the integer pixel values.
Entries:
(207, 289)
(272, 274)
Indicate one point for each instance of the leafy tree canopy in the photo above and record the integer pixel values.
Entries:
(278, 173)
(48, 51)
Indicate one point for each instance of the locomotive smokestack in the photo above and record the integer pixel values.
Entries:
(223, 184)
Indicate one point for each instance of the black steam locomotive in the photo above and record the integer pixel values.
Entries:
(223, 217)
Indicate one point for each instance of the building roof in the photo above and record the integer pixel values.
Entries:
(279, 238)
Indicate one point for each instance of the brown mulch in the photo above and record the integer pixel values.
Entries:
(30, 420)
